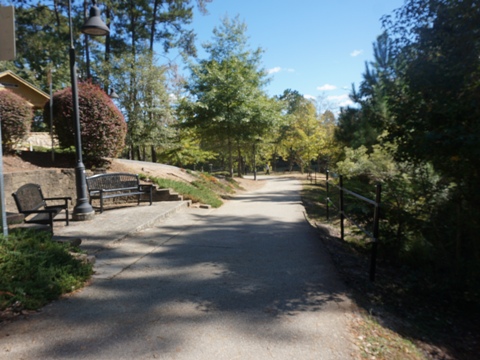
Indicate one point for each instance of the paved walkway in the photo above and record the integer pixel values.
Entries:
(250, 280)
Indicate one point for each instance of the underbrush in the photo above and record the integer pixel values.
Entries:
(413, 299)
(35, 270)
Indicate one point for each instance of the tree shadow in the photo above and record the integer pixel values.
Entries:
(243, 274)
(441, 331)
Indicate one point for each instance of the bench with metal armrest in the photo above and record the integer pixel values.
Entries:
(33, 205)
(113, 185)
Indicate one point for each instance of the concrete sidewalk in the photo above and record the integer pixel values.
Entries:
(249, 280)
(106, 230)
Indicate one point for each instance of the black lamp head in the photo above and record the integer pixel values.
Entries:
(95, 26)
(113, 95)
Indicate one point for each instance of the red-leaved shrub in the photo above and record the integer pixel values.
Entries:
(16, 117)
(103, 127)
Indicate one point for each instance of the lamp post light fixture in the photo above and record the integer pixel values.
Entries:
(94, 26)
(113, 95)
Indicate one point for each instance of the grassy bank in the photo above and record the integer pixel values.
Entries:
(206, 189)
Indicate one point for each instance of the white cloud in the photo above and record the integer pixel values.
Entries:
(274, 70)
(340, 100)
(355, 53)
(326, 87)
(278, 69)
(309, 97)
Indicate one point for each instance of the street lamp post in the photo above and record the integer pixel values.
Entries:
(94, 26)
(255, 142)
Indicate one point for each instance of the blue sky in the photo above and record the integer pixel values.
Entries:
(317, 47)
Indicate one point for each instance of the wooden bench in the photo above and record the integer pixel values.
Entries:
(33, 205)
(112, 185)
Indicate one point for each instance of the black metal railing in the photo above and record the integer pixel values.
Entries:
(374, 235)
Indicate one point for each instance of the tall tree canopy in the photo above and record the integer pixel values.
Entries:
(138, 31)
(419, 102)
(436, 95)
(228, 107)
(433, 102)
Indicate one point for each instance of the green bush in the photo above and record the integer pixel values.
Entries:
(16, 119)
(34, 270)
(103, 127)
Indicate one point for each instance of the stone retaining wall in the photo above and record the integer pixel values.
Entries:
(59, 182)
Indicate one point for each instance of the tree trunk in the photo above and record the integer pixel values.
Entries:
(239, 162)
(154, 153)
(153, 24)
(254, 161)
(230, 158)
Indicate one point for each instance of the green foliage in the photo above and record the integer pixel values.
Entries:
(435, 98)
(409, 195)
(228, 107)
(416, 129)
(186, 151)
(42, 40)
(122, 61)
(354, 129)
(434, 107)
(303, 135)
(34, 270)
(43, 36)
(362, 125)
(378, 165)
(103, 128)
(148, 110)
(16, 118)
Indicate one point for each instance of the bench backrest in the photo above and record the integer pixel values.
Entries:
(113, 181)
(29, 197)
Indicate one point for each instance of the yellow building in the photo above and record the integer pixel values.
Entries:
(34, 96)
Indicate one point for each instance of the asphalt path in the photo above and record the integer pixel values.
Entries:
(250, 280)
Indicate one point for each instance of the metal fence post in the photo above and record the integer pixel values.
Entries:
(342, 214)
(328, 197)
(376, 221)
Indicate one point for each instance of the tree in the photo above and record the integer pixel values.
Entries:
(302, 137)
(103, 127)
(148, 109)
(227, 105)
(40, 29)
(16, 118)
(330, 149)
(135, 27)
(132, 61)
(434, 104)
(363, 124)
(186, 150)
